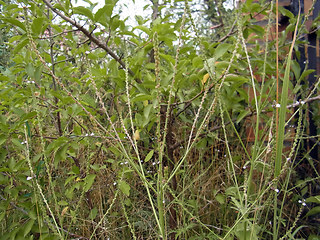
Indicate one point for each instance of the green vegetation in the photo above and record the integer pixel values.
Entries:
(110, 131)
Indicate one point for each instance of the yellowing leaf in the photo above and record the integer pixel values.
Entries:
(136, 135)
(205, 78)
(64, 211)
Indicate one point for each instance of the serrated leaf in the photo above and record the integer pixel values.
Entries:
(149, 156)
(83, 11)
(89, 180)
(124, 187)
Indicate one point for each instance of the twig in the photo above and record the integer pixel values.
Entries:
(26, 212)
(92, 37)
(248, 115)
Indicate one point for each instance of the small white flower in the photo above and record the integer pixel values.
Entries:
(87, 52)
(115, 183)
(125, 162)
(92, 134)
(277, 190)
(86, 135)
(304, 204)
(288, 159)
(303, 102)
(29, 178)
(121, 163)
(154, 163)
(278, 105)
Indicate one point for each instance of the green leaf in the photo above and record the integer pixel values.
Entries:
(3, 138)
(89, 180)
(141, 97)
(143, 29)
(37, 25)
(220, 198)
(221, 50)
(197, 62)
(20, 46)
(149, 156)
(313, 211)
(14, 22)
(104, 12)
(83, 11)
(236, 78)
(17, 143)
(62, 203)
(32, 214)
(124, 187)
(314, 199)
(27, 227)
(93, 213)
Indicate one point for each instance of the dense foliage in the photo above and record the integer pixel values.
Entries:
(110, 131)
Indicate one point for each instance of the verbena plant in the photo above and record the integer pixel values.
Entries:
(151, 132)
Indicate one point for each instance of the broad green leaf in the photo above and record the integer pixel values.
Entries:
(221, 50)
(236, 78)
(83, 11)
(17, 143)
(141, 97)
(14, 22)
(93, 213)
(220, 198)
(20, 46)
(105, 11)
(38, 25)
(124, 187)
(313, 211)
(197, 62)
(143, 29)
(3, 138)
(32, 214)
(314, 199)
(62, 203)
(27, 227)
(149, 156)
(89, 180)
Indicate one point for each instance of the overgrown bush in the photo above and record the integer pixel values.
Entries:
(150, 132)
